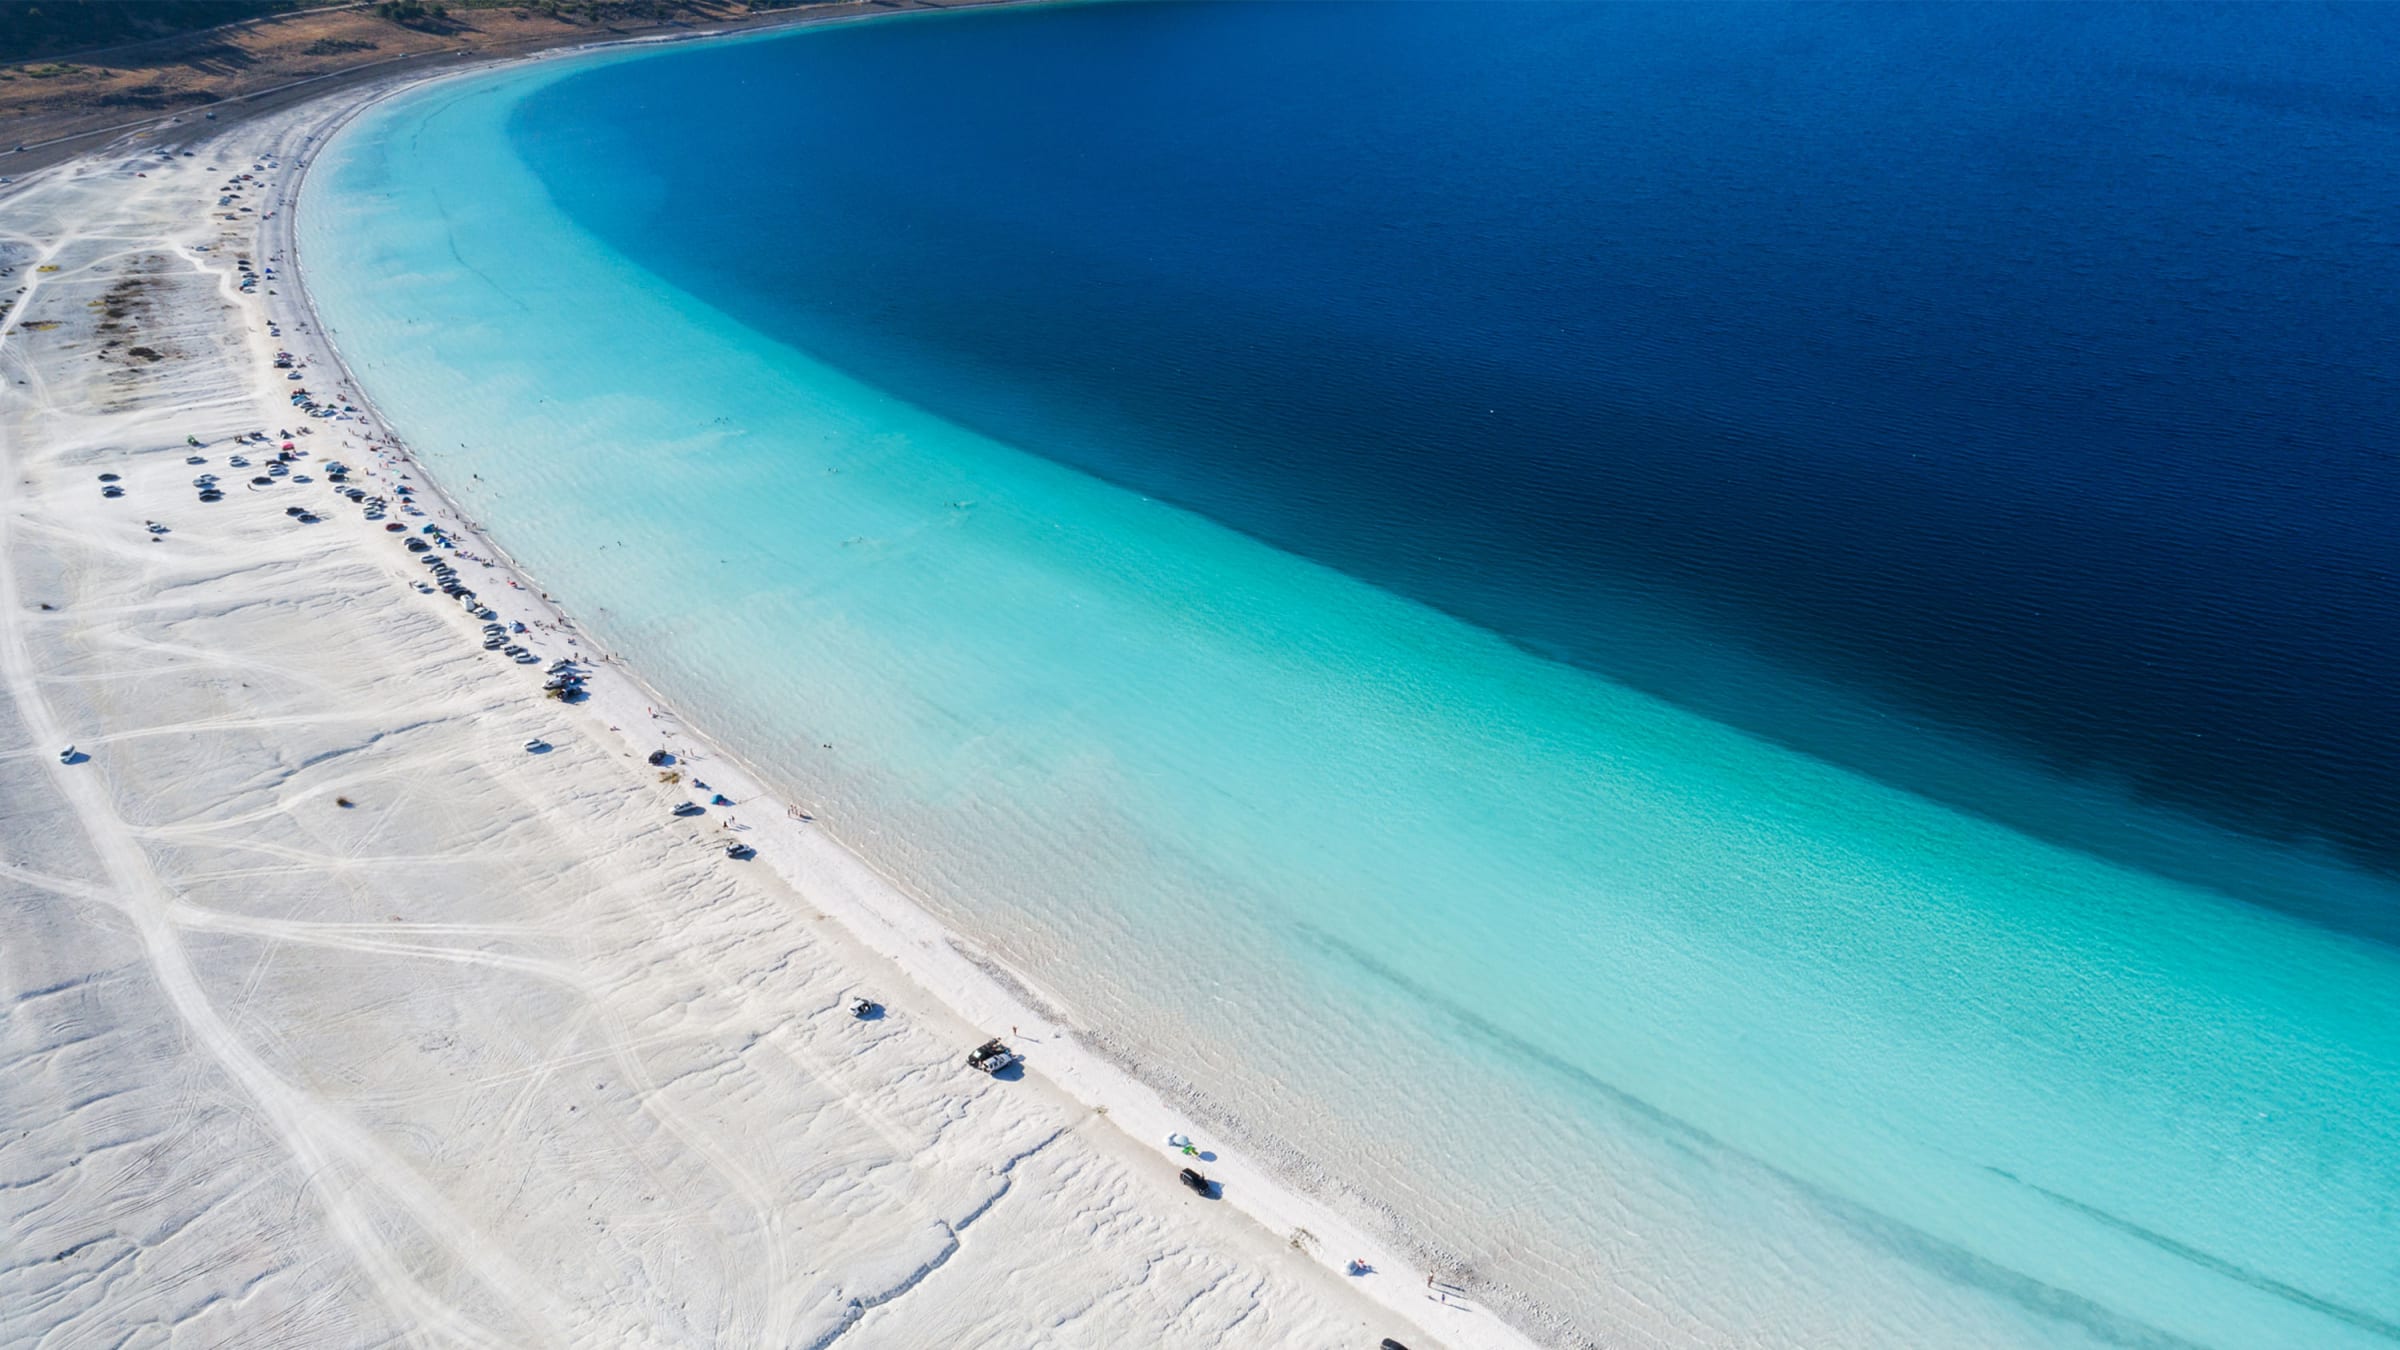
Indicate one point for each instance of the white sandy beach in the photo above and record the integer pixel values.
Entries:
(503, 1052)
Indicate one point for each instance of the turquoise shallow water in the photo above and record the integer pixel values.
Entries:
(1668, 1033)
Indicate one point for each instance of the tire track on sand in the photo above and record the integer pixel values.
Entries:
(332, 1152)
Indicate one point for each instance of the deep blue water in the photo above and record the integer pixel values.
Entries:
(1766, 358)
(2029, 369)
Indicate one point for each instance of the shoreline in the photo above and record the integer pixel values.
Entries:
(876, 909)
(514, 1050)
(872, 909)
(227, 109)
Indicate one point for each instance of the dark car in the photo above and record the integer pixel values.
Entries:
(991, 1056)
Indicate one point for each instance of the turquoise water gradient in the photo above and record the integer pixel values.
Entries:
(1670, 1035)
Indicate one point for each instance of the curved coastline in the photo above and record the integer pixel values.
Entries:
(929, 943)
(842, 880)
(329, 1088)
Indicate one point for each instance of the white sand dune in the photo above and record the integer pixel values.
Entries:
(502, 1053)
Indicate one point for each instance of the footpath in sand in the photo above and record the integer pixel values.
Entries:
(330, 1015)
